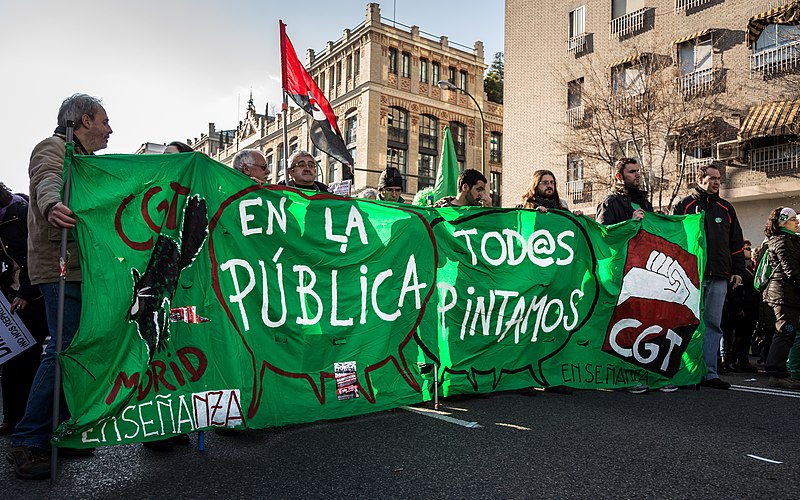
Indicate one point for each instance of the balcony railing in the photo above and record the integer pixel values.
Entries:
(691, 166)
(776, 60)
(699, 82)
(629, 23)
(576, 44)
(684, 5)
(783, 158)
(579, 192)
(574, 116)
(628, 103)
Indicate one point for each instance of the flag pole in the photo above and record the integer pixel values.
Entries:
(62, 283)
(285, 107)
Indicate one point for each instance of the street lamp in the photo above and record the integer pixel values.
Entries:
(446, 85)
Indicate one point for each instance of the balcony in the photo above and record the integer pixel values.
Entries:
(627, 103)
(576, 44)
(579, 192)
(575, 117)
(699, 82)
(780, 159)
(629, 23)
(691, 166)
(776, 60)
(685, 5)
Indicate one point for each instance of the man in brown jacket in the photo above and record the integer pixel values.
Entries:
(47, 215)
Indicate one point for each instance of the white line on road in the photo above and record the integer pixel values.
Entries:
(766, 391)
(440, 416)
(764, 459)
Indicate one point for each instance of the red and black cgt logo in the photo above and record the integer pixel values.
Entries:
(658, 308)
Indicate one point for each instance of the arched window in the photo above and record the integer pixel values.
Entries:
(397, 139)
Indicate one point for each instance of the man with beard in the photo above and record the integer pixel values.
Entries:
(542, 194)
(625, 201)
(471, 192)
(724, 261)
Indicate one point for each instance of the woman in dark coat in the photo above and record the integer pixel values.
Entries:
(25, 301)
(783, 294)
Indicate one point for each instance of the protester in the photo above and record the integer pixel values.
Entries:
(542, 194)
(626, 200)
(47, 214)
(471, 191)
(724, 261)
(369, 194)
(251, 163)
(25, 300)
(303, 172)
(783, 294)
(740, 316)
(390, 186)
(177, 147)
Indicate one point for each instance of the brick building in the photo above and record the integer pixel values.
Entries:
(732, 62)
(380, 78)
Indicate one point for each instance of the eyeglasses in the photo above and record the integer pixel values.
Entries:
(305, 164)
(393, 189)
(263, 167)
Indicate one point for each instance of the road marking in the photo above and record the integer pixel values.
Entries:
(766, 391)
(764, 459)
(442, 416)
(513, 426)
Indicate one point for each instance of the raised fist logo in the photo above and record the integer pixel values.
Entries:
(658, 308)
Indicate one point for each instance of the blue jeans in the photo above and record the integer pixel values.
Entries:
(714, 292)
(36, 426)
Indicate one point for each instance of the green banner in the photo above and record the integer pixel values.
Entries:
(212, 302)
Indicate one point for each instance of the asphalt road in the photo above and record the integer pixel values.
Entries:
(740, 443)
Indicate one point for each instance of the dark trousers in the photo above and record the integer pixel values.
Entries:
(19, 371)
(787, 320)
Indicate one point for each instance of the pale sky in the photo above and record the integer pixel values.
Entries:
(166, 69)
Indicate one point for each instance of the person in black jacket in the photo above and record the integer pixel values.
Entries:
(724, 260)
(26, 301)
(783, 294)
(625, 201)
(740, 318)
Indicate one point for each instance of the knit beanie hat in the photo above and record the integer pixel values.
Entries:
(786, 214)
(390, 178)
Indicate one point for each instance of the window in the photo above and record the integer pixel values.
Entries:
(334, 172)
(338, 73)
(627, 16)
(393, 61)
(349, 67)
(696, 64)
(576, 30)
(462, 82)
(495, 185)
(331, 81)
(426, 170)
(777, 49)
(575, 102)
(496, 147)
(350, 127)
(628, 78)
(396, 157)
(268, 156)
(451, 75)
(459, 132)
(435, 72)
(429, 134)
(279, 149)
(397, 120)
(357, 63)
(578, 190)
(292, 145)
(405, 70)
(423, 70)
(323, 81)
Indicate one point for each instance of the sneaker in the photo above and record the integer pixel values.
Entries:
(715, 383)
(784, 383)
(637, 389)
(30, 463)
(668, 388)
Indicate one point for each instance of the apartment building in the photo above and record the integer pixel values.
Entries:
(689, 81)
(381, 80)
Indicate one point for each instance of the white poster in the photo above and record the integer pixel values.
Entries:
(14, 335)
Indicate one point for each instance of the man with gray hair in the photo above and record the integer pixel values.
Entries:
(47, 214)
(303, 171)
(252, 163)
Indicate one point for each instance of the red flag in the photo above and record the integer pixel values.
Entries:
(299, 85)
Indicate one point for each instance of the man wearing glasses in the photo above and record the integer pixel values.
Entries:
(303, 172)
(390, 185)
(252, 163)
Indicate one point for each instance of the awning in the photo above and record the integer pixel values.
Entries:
(692, 36)
(627, 60)
(771, 119)
(786, 14)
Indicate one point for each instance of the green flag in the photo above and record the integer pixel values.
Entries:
(447, 175)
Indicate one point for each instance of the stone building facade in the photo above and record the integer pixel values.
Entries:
(380, 78)
(738, 57)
